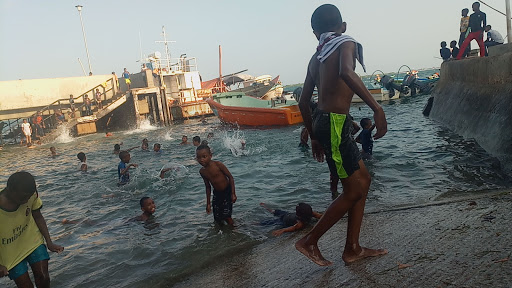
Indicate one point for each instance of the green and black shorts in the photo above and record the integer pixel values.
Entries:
(333, 131)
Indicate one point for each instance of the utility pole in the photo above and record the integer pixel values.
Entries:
(509, 29)
(79, 7)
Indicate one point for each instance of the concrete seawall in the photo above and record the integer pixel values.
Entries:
(474, 99)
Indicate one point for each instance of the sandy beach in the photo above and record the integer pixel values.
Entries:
(452, 242)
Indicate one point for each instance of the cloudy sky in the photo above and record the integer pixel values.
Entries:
(43, 39)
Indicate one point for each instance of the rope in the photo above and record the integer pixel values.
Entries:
(493, 8)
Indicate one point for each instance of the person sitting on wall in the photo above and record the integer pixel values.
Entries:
(493, 38)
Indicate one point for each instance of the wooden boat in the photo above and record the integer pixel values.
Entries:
(238, 108)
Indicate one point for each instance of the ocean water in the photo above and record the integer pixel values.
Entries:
(418, 161)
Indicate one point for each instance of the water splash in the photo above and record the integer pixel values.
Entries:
(235, 143)
(64, 135)
(145, 126)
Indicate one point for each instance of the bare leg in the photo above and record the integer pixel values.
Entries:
(230, 221)
(353, 251)
(355, 188)
(266, 208)
(24, 281)
(41, 275)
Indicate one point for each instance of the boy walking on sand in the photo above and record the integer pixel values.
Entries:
(477, 22)
(24, 232)
(331, 70)
(215, 174)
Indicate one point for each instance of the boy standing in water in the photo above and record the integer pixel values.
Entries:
(215, 174)
(24, 232)
(82, 166)
(331, 70)
(365, 138)
(123, 169)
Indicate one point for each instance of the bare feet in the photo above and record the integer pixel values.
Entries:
(312, 252)
(350, 257)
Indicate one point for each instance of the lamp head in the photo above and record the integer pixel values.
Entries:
(79, 7)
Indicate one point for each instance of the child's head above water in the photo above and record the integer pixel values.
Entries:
(117, 147)
(366, 123)
(52, 149)
(157, 147)
(196, 140)
(147, 205)
(81, 156)
(304, 212)
(184, 139)
(327, 18)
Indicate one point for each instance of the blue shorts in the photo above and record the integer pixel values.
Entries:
(38, 255)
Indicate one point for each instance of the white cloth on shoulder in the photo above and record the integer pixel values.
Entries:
(330, 41)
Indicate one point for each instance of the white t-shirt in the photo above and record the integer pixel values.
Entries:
(26, 128)
(495, 36)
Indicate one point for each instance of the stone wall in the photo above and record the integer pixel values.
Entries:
(474, 99)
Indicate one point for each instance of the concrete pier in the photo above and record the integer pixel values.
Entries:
(474, 99)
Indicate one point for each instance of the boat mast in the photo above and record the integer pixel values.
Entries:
(167, 53)
(220, 66)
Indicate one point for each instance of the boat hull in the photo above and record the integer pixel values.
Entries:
(255, 116)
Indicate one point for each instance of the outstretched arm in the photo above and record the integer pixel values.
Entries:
(317, 215)
(347, 66)
(41, 224)
(299, 225)
(162, 173)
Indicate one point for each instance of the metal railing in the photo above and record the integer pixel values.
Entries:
(49, 120)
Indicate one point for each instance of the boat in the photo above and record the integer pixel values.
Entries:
(235, 107)
(262, 87)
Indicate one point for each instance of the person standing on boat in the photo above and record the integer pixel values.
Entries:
(331, 70)
(477, 22)
(464, 31)
(126, 76)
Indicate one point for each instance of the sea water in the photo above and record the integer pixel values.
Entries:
(417, 162)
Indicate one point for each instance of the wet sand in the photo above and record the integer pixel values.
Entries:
(453, 242)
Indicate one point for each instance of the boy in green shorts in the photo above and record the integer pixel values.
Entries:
(331, 70)
(23, 233)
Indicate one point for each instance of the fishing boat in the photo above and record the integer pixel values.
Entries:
(239, 109)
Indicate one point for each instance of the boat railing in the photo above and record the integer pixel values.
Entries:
(170, 65)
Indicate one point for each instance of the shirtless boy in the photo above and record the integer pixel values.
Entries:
(216, 174)
(331, 70)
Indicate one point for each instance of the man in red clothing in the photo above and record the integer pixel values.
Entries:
(477, 22)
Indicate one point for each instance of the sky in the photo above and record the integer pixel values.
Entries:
(43, 39)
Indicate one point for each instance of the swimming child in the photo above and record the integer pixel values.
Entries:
(145, 144)
(293, 221)
(82, 166)
(216, 174)
(123, 169)
(184, 140)
(331, 70)
(148, 207)
(53, 151)
(196, 141)
(365, 138)
(24, 233)
(157, 147)
(117, 148)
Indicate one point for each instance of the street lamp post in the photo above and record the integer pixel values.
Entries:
(79, 7)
